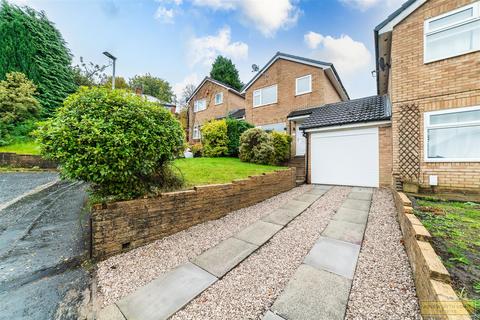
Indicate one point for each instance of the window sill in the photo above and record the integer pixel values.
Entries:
(266, 105)
(302, 93)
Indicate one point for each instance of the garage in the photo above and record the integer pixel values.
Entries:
(345, 157)
(345, 140)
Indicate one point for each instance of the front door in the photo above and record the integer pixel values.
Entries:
(300, 141)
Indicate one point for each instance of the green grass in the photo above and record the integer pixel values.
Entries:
(455, 227)
(201, 171)
(28, 147)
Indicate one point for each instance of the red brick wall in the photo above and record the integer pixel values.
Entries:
(121, 226)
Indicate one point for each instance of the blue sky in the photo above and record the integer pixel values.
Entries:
(177, 39)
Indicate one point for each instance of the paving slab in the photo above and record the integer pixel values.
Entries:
(334, 256)
(321, 186)
(269, 315)
(360, 196)
(362, 189)
(344, 231)
(110, 313)
(281, 216)
(166, 295)
(296, 206)
(225, 256)
(351, 215)
(259, 232)
(357, 204)
(313, 294)
(306, 197)
(317, 191)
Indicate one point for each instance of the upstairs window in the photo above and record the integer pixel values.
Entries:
(264, 96)
(303, 85)
(219, 98)
(453, 33)
(199, 105)
(453, 135)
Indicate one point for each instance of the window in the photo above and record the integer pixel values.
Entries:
(196, 132)
(452, 34)
(279, 127)
(453, 135)
(303, 85)
(199, 105)
(265, 96)
(219, 98)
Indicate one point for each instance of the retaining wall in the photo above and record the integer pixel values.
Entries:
(16, 160)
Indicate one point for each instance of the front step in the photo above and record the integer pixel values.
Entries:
(299, 182)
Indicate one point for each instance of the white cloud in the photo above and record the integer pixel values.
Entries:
(178, 87)
(367, 4)
(164, 15)
(205, 49)
(312, 39)
(268, 16)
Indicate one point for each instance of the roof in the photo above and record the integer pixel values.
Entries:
(400, 14)
(317, 63)
(301, 112)
(236, 114)
(226, 86)
(369, 109)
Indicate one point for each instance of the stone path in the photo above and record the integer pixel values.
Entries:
(169, 293)
(320, 287)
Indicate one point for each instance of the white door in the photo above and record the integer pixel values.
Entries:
(347, 157)
(300, 141)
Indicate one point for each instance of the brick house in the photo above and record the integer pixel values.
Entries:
(287, 84)
(428, 62)
(212, 99)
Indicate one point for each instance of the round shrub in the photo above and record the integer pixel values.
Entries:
(197, 149)
(214, 138)
(281, 145)
(235, 128)
(115, 140)
(255, 146)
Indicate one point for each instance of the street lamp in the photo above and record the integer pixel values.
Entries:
(113, 58)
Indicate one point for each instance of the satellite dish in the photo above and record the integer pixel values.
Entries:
(381, 63)
(254, 68)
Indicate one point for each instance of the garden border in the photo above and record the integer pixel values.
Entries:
(16, 160)
(437, 298)
(121, 226)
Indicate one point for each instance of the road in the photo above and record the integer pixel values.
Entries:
(43, 242)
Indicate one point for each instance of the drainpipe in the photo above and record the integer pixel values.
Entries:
(307, 151)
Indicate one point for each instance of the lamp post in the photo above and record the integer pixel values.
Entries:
(113, 58)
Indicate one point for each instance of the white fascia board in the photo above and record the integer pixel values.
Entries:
(351, 126)
(336, 84)
(405, 13)
(298, 117)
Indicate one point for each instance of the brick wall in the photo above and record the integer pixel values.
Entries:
(444, 84)
(121, 226)
(231, 101)
(385, 155)
(25, 161)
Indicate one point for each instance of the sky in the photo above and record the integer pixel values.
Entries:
(177, 40)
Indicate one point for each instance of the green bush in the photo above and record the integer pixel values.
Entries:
(115, 140)
(281, 145)
(214, 138)
(235, 128)
(258, 146)
(197, 149)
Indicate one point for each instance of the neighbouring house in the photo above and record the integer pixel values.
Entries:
(285, 85)
(212, 99)
(422, 131)
(168, 105)
(428, 62)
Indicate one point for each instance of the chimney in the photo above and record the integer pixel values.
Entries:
(138, 91)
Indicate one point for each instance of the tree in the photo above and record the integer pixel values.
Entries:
(187, 92)
(120, 83)
(115, 140)
(225, 71)
(153, 86)
(17, 104)
(88, 74)
(30, 43)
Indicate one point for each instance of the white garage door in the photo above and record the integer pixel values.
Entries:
(348, 157)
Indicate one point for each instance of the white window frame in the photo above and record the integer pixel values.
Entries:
(221, 99)
(195, 105)
(260, 91)
(196, 134)
(309, 76)
(427, 126)
(427, 32)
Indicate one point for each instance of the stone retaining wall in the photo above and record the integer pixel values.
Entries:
(432, 280)
(16, 160)
(121, 226)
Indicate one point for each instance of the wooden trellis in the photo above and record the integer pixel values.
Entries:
(409, 143)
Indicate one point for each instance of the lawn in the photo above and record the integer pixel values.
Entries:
(201, 171)
(29, 147)
(455, 227)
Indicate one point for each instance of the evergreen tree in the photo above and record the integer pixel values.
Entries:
(30, 43)
(225, 71)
